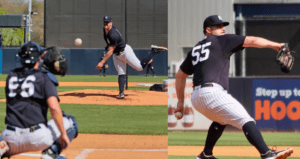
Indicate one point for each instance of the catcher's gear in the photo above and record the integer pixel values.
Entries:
(55, 61)
(30, 53)
(285, 58)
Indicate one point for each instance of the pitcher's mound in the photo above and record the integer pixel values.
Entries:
(110, 97)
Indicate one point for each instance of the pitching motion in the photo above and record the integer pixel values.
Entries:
(208, 61)
(123, 53)
(30, 91)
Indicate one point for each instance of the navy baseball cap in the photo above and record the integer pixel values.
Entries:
(107, 18)
(213, 20)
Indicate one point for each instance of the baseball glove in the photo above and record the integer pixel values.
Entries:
(285, 59)
(55, 61)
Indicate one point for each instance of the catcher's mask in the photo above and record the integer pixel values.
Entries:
(29, 53)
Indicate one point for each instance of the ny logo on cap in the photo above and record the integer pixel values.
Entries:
(219, 17)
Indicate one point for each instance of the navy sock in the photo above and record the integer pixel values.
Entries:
(121, 81)
(146, 59)
(255, 138)
(214, 133)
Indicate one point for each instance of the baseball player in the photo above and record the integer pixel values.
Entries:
(209, 62)
(150, 67)
(30, 91)
(103, 67)
(122, 53)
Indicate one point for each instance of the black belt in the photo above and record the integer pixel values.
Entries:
(205, 85)
(32, 128)
(118, 53)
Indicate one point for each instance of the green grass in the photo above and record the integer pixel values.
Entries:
(72, 88)
(220, 157)
(108, 78)
(97, 78)
(108, 119)
(113, 119)
(233, 139)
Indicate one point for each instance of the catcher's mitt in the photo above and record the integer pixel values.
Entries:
(285, 59)
(55, 61)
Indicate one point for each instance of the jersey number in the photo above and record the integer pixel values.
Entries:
(201, 50)
(27, 87)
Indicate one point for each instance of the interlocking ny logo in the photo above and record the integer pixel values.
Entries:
(220, 18)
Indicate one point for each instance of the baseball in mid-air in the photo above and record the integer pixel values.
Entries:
(178, 115)
(78, 42)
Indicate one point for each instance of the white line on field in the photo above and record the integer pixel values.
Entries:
(34, 154)
(83, 154)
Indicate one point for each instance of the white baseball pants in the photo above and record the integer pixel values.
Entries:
(127, 56)
(218, 105)
(22, 140)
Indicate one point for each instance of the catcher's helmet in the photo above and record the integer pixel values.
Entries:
(30, 53)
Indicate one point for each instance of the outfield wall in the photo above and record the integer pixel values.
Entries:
(273, 102)
(84, 61)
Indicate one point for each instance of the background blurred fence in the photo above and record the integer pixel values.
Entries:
(146, 21)
(84, 61)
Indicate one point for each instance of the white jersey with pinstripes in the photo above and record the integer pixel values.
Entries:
(209, 62)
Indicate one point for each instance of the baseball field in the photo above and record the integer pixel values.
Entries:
(231, 145)
(109, 128)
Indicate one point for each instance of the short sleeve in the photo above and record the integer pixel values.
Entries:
(50, 88)
(187, 65)
(231, 42)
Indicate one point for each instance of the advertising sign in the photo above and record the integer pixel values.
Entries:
(276, 103)
(192, 119)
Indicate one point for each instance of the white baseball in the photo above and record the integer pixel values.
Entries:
(78, 42)
(178, 115)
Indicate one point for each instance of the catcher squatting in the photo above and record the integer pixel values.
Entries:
(30, 91)
(208, 61)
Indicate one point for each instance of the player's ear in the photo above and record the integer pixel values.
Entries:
(208, 30)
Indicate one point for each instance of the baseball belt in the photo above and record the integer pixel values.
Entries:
(204, 85)
(118, 53)
(31, 129)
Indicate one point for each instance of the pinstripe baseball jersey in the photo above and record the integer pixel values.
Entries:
(209, 59)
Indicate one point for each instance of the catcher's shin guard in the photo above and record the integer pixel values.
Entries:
(73, 131)
(55, 149)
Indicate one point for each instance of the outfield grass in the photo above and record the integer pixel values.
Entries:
(233, 139)
(97, 78)
(113, 119)
(219, 157)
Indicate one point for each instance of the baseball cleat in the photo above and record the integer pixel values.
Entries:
(3, 148)
(121, 95)
(281, 154)
(203, 156)
(49, 154)
(158, 49)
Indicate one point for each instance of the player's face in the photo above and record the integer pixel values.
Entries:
(107, 25)
(218, 29)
